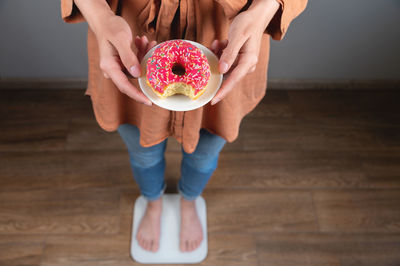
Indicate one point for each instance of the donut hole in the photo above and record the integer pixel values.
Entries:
(178, 69)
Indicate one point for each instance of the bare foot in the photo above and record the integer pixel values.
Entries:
(191, 233)
(148, 234)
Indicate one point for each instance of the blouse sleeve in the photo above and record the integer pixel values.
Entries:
(71, 14)
(288, 10)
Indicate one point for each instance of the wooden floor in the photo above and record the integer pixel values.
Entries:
(313, 179)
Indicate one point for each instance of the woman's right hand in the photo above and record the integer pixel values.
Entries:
(114, 36)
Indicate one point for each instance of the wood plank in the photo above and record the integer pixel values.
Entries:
(297, 169)
(33, 135)
(56, 211)
(21, 249)
(287, 169)
(367, 108)
(86, 250)
(231, 249)
(274, 104)
(358, 211)
(330, 120)
(250, 211)
(382, 168)
(290, 133)
(44, 104)
(72, 169)
(317, 249)
(86, 134)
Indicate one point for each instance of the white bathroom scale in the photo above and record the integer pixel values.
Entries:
(169, 251)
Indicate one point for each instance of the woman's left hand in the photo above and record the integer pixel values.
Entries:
(239, 54)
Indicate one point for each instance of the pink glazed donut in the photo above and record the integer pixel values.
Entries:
(178, 67)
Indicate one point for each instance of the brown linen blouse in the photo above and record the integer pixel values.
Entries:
(197, 20)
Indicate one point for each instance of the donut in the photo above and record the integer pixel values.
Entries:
(178, 67)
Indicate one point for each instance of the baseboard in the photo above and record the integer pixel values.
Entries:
(43, 83)
(332, 84)
(273, 84)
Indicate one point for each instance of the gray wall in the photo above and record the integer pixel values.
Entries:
(341, 39)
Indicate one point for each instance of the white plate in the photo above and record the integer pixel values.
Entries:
(179, 102)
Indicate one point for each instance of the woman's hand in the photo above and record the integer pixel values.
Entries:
(239, 54)
(115, 38)
(117, 58)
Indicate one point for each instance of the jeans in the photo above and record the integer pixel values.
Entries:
(148, 164)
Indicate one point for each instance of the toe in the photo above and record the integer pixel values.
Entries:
(182, 246)
(147, 245)
(198, 242)
(141, 243)
(144, 242)
(155, 246)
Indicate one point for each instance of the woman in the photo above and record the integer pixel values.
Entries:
(237, 31)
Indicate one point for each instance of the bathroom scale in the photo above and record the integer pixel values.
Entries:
(168, 251)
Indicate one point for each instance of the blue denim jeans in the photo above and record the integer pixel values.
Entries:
(148, 163)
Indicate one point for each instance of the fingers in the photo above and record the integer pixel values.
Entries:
(218, 46)
(113, 67)
(246, 58)
(123, 84)
(143, 45)
(128, 57)
(214, 46)
(230, 53)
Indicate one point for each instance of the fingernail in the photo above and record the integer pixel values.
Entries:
(147, 102)
(215, 100)
(135, 71)
(223, 67)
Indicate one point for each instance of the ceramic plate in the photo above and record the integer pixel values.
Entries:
(179, 102)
